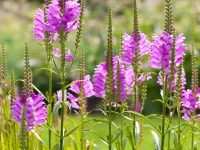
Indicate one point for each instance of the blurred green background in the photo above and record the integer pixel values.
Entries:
(16, 26)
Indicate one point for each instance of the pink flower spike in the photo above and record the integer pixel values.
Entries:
(69, 57)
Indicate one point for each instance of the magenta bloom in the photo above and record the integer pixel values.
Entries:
(172, 87)
(190, 103)
(56, 52)
(39, 26)
(138, 107)
(129, 46)
(130, 79)
(56, 19)
(69, 57)
(100, 79)
(35, 112)
(88, 91)
(160, 53)
(122, 78)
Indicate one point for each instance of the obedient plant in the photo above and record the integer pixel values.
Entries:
(119, 81)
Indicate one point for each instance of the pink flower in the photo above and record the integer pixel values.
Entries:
(69, 57)
(129, 46)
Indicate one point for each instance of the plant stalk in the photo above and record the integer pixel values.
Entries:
(163, 114)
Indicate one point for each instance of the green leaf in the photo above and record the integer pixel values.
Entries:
(96, 133)
(175, 141)
(96, 147)
(117, 144)
(124, 143)
(74, 143)
(137, 132)
(129, 137)
(118, 134)
(156, 140)
(49, 70)
(55, 109)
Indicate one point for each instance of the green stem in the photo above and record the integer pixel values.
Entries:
(135, 110)
(163, 114)
(27, 141)
(163, 126)
(50, 101)
(62, 108)
(192, 128)
(179, 127)
(62, 43)
(110, 127)
(82, 133)
(122, 122)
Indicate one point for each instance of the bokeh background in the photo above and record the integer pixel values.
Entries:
(16, 26)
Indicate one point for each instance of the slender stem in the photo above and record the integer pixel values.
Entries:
(192, 128)
(122, 122)
(27, 140)
(62, 43)
(82, 133)
(110, 127)
(163, 114)
(62, 108)
(163, 126)
(50, 101)
(179, 128)
(135, 109)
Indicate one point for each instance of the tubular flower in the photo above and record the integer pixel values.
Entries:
(88, 91)
(190, 103)
(122, 77)
(100, 79)
(68, 19)
(172, 87)
(39, 26)
(130, 76)
(160, 52)
(35, 113)
(68, 56)
(129, 46)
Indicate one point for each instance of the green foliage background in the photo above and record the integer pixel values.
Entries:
(16, 27)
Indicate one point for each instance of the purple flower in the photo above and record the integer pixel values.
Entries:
(88, 91)
(160, 53)
(138, 107)
(56, 52)
(39, 26)
(129, 46)
(100, 80)
(56, 19)
(122, 78)
(35, 113)
(190, 102)
(130, 79)
(172, 87)
(69, 57)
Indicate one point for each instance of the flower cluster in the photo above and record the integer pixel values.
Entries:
(68, 56)
(160, 52)
(56, 18)
(129, 46)
(35, 110)
(100, 75)
(75, 88)
(190, 103)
